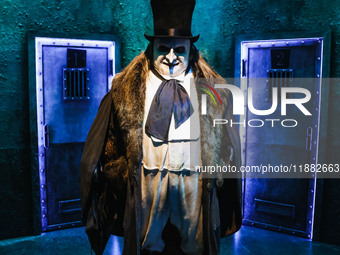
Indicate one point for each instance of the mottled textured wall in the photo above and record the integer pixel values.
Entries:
(218, 22)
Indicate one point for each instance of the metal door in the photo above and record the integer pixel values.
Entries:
(72, 78)
(285, 204)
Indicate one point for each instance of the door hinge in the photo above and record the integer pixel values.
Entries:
(309, 139)
(46, 137)
(111, 66)
(243, 67)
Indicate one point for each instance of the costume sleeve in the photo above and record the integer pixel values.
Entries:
(231, 190)
(92, 152)
(103, 167)
(113, 157)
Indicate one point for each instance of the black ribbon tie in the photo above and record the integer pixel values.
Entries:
(170, 97)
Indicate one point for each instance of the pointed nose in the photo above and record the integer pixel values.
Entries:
(171, 56)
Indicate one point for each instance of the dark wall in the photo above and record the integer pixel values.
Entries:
(218, 22)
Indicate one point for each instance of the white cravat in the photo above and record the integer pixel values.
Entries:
(182, 150)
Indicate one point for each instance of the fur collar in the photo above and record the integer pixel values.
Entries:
(128, 94)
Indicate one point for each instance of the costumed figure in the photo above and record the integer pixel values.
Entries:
(139, 175)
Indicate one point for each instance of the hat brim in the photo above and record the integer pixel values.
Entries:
(152, 37)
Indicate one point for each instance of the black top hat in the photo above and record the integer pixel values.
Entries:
(172, 18)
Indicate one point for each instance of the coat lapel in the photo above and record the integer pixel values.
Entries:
(129, 100)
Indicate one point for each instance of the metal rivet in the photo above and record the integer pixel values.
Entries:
(287, 43)
(302, 42)
(310, 207)
(313, 158)
(318, 75)
(318, 58)
(311, 190)
(309, 222)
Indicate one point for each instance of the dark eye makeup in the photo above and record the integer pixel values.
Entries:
(180, 49)
(163, 48)
(166, 49)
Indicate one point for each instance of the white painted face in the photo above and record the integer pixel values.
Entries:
(171, 55)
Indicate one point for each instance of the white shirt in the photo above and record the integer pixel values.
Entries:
(182, 150)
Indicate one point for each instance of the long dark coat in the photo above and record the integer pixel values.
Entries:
(114, 207)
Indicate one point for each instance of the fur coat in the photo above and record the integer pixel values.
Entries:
(111, 163)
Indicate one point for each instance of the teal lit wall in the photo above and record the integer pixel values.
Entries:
(218, 22)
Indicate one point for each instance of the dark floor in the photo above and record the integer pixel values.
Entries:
(248, 240)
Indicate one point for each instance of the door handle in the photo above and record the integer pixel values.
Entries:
(46, 137)
(309, 139)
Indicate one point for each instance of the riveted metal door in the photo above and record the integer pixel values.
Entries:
(284, 204)
(72, 78)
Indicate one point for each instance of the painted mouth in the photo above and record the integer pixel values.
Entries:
(171, 64)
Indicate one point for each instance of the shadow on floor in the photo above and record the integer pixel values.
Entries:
(248, 240)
